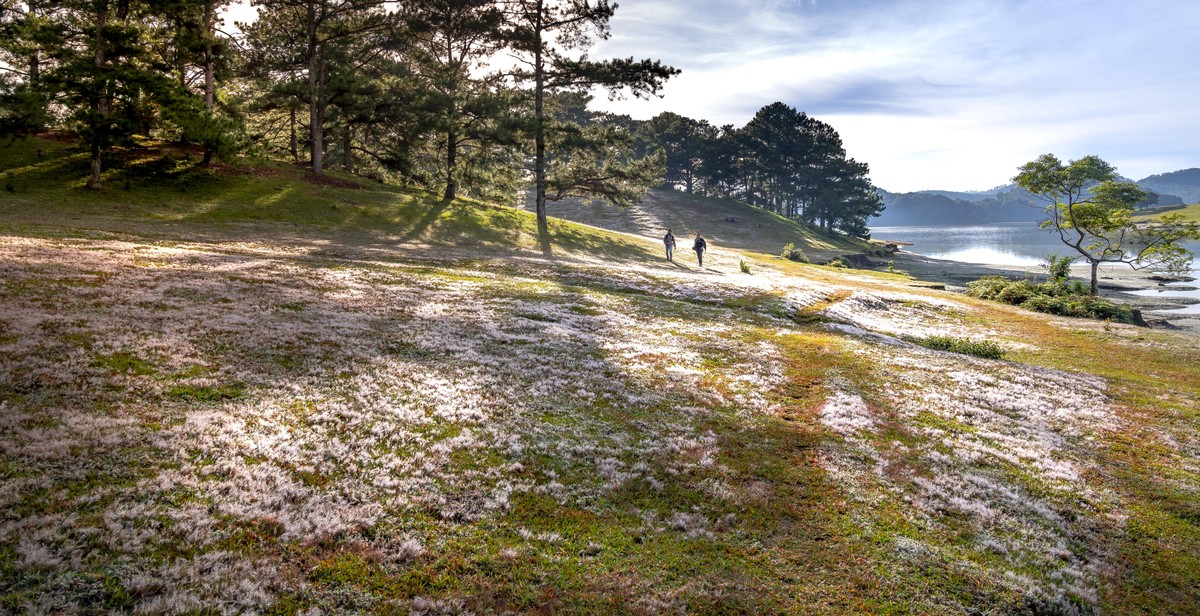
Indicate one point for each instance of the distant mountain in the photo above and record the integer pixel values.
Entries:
(1184, 184)
(944, 207)
(1011, 203)
(973, 195)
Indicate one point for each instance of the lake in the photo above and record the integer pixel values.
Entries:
(1012, 243)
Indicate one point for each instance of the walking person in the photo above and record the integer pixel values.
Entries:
(699, 246)
(669, 241)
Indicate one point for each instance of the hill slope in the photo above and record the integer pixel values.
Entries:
(1189, 212)
(241, 398)
(722, 222)
(1184, 184)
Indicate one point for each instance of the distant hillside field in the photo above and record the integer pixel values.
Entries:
(1190, 212)
(250, 390)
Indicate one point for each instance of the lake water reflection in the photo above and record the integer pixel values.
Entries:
(1015, 243)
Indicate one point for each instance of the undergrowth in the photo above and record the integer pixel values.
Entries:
(965, 346)
(1055, 297)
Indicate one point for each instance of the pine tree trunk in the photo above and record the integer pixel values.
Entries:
(1095, 266)
(34, 59)
(209, 78)
(35, 71)
(181, 75)
(293, 146)
(315, 123)
(103, 110)
(348, 148)
(210, 67)
(539, 160)
(451, 160)
(316, 82)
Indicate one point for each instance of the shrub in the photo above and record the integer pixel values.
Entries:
(745, 267)
(1084, 306)
(1059, 268)
(987, 287)
(839, 263)
(1017, 292)
(1069, 299)
(982, 348)
(791, 253)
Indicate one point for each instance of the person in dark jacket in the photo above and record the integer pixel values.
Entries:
(669, 241)
(700, 246)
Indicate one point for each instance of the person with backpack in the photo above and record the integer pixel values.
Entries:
(699, 246)
(669, 241)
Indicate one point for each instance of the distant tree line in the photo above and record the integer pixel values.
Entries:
(464, 97)
(782, 160)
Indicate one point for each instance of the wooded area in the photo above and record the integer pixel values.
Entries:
(485, 99)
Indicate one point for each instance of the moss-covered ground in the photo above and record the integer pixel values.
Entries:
(241, 390)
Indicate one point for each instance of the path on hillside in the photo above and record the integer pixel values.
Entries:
(722, 222)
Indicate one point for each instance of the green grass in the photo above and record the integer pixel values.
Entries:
(157, 185)
(800, 543)
(205, 393)
(125, 362)
(979, 348)
(1191, 213)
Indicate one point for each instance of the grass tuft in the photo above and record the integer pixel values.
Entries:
(978, 348)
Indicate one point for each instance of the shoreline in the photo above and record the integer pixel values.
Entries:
(1116, 283)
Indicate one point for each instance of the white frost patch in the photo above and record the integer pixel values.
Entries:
(846, 414)
(1005, 445)
(904, 314)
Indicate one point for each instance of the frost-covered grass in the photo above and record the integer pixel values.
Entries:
(222, 419)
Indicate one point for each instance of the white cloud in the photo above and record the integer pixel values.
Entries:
(938, 94)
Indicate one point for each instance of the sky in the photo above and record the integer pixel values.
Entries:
(936, 94)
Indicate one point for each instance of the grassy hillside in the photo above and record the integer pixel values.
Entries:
(158, 186)
(722, 222)
(1190, 212)
(220, 393)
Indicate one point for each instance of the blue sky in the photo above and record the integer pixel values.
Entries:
(938, 93)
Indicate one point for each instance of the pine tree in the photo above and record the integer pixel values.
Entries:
(308, 38)
(24, 35)
(448, 41)
(542, 34)
(104, 73)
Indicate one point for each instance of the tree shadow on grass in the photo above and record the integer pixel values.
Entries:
(434, 210)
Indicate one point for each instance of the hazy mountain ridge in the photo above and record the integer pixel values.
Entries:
(1184, 184)
(940, 207)
(1010, 203)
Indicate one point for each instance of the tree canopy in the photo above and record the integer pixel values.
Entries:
(1092, 210)
(465, 97)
